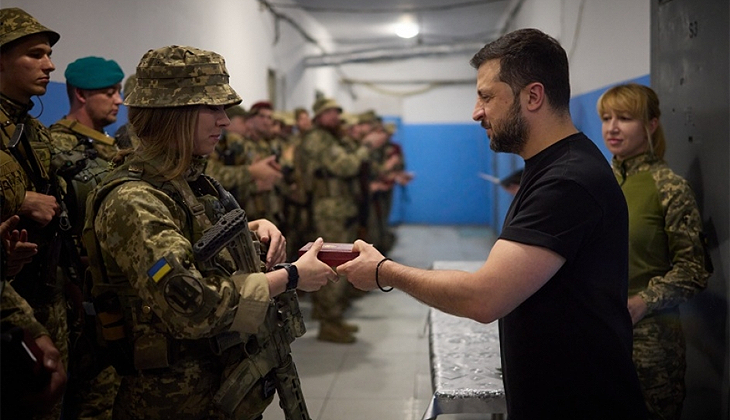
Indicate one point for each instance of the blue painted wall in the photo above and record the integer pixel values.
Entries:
(446, 160)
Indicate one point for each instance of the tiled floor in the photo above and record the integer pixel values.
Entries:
(385, 375)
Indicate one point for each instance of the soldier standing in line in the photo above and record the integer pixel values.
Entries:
(296, 210)
(25, 67)
(332, 169)
(229, 165)
(93, 85)
(257, 146)
(205, 332)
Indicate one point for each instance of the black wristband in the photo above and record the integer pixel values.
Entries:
(377, 268)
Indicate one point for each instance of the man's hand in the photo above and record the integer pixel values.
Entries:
(269, 234)
(361, 270)
(637, 308)
(15, 243)
(313, 273)
(45, 400)
(39, 207)
(266, 172)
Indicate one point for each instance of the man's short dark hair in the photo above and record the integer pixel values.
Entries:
(527, 56)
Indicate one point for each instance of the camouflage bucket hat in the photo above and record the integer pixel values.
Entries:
(16, 23)
(179, 76)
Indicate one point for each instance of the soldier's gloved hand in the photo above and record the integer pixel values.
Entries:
(39, 207)
(269, 234)
(313, 273)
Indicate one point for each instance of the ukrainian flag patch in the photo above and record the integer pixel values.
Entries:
(158, 271)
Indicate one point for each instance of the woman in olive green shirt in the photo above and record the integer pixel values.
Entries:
(667, 258)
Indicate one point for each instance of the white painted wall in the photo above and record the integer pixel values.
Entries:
(239, 30)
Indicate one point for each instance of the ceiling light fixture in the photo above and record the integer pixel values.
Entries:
(406, 28)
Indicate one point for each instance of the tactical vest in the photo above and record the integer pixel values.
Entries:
(37, 282)
(120, 310)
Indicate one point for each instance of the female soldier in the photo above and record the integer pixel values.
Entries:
(667, 258)
(197, 333)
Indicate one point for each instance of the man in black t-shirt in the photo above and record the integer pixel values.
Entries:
(557, 276)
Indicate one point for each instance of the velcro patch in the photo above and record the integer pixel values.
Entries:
(159, 270)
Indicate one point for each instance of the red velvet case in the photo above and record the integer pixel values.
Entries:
(332, 253)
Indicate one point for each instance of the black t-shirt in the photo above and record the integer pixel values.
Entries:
(566, 350)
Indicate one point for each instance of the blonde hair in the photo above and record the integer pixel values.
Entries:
(167, 136)
(641, 103)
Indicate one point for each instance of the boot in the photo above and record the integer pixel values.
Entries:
(334, 332)
(349, 327)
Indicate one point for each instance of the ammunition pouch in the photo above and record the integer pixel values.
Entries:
(82, 171)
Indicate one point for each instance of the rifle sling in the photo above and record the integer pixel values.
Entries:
(79, 128)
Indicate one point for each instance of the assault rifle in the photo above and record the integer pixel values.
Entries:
(269, 351)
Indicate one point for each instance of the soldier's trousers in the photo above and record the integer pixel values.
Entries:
(330, 302)
(659, 357)
(53, 316)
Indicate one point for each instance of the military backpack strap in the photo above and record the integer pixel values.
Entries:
(79, 128)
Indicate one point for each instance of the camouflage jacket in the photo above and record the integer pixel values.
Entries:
(328, 157)
(229, 166)
(15, 181)
(37, 282)
(140, 224)
(667, 255)
(16, 312)
(65, 138)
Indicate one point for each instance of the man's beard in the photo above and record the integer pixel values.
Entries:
(510, 135)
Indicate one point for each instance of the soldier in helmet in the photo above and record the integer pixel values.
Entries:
(93, 85)
(27, 182)
(333, 168)
(230, 164)
(204, 336)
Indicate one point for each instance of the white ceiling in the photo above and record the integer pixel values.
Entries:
(357, 25)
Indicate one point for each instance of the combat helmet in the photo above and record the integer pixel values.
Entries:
(16, 23)
(323, 104)
(176, 75)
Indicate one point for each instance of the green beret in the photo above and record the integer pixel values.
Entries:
(93, 73)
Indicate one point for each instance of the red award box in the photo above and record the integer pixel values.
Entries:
(332, 253)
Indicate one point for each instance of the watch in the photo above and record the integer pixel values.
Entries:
(292, 272)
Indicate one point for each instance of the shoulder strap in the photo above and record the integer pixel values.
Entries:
(77, 127)
(7, 126)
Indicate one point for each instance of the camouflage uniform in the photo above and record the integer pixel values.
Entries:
(14, 313)
(333, 166)
(667, 266)
(38, 282)
(229, 166)
(93, 382)
(190, 327)
(262, 204)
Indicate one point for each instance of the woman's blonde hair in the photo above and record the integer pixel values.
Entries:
(641, 103)
(167, 137)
